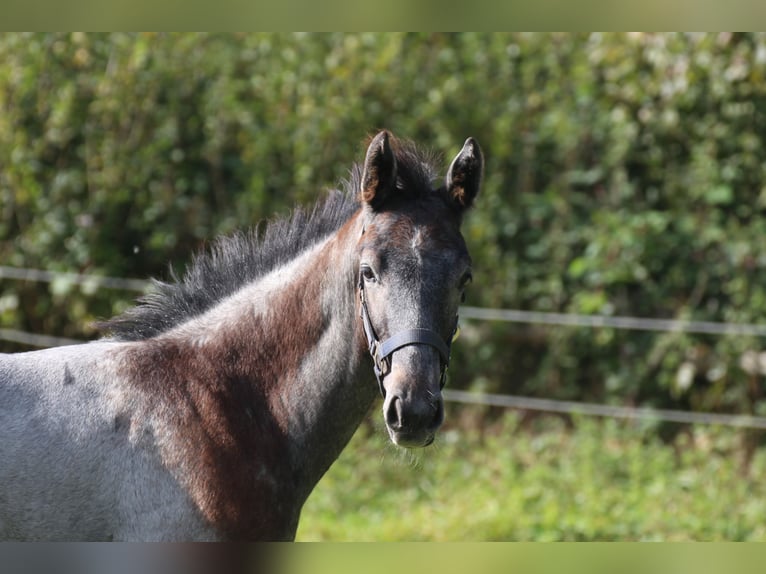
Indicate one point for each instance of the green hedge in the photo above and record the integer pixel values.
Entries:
(625, 176)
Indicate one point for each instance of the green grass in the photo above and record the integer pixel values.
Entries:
(601, 480)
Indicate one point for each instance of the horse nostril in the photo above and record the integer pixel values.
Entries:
(426, 415)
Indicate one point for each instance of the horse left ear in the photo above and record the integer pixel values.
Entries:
(379, 173)
(464, 176)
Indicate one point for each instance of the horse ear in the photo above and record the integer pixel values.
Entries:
(464, 176)
(379, 173)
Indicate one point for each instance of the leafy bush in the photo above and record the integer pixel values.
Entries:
(625, 176)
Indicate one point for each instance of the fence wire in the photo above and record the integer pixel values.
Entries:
(636, 323)
(97, 281)
(476, 313)
(598, 410)
(466, 312)
(35, 340)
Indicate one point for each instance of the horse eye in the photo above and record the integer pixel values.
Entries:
(367, 273)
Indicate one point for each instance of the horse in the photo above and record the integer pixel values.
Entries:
(211, 409)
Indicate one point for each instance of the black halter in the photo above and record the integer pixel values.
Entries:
(381, 352)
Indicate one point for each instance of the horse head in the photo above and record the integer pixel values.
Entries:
(413, 270)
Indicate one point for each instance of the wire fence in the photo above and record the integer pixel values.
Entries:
(599, 410)
(96, 281)
(475, 313)
(35, 340)
(466, 312)
(613, 322)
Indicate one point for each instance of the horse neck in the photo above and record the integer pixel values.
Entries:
(295, 338)
(334, 387)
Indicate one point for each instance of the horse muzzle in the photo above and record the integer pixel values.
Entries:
(413, 411)
(412, 423)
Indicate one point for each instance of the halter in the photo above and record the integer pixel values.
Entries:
(381, 352)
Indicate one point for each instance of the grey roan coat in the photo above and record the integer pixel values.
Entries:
(214, 406)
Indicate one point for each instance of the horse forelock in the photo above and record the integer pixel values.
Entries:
(415, 168)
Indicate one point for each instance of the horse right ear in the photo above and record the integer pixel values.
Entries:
(464, 175)
(379, 173)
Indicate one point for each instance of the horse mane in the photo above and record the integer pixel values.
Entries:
(239, 259)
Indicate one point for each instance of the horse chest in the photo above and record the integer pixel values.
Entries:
(230, 455)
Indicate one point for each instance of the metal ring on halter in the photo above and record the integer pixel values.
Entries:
(381, 352)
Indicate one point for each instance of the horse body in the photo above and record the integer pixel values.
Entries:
(217, 423)
(189, 412)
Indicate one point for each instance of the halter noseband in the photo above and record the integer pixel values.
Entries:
(381, 352)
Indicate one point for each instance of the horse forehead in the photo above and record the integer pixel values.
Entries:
(418, 232)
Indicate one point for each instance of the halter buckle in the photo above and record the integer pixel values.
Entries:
(379, 362)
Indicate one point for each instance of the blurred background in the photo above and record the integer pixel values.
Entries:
(625, 177)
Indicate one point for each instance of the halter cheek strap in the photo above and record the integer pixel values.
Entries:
(382, 351)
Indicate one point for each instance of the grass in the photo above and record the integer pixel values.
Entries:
(600, 480)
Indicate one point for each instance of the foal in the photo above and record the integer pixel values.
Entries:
(220, 400)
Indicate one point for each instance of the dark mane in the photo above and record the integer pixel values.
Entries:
(234, 261)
